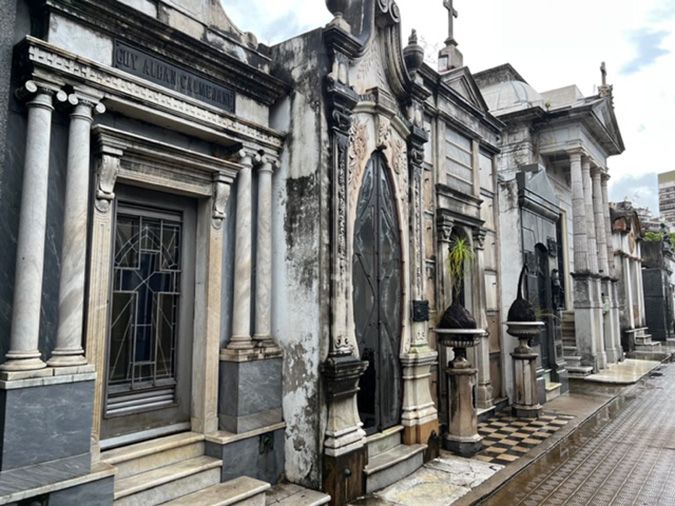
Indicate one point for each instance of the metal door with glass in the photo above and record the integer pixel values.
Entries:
(377, 298)
(150, 339)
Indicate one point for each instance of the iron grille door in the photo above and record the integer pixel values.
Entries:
(377, 298)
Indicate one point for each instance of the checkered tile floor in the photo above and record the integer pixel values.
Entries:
(506, 438)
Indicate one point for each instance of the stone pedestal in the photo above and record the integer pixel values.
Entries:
(47, 418)
(526, 403)
(462, 433)
(250, 391)
(345, 453)
(420, 417)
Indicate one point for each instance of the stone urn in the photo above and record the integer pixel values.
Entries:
(522, 325)
(457, 329)
(337, 8)
(413, 54)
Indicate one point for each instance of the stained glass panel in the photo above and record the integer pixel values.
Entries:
(145, 301)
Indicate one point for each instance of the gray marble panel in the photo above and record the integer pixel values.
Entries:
(250, 387)
(245, 423)
(45, 423)
(245, 457)
(41, 475)
(10, 202)
(98, 492)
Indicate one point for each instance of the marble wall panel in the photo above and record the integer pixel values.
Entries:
(250, 387)
(45, 423)
(98, 492)
(260, 457)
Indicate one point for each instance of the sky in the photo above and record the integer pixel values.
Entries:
(551, 43)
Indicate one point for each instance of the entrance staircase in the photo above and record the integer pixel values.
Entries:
(174, 471)
(570, 349)
(389, 460)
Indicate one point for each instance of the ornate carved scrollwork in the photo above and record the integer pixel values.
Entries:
(221, 194)
(106, 174)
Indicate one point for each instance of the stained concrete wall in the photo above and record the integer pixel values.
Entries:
(301, 270)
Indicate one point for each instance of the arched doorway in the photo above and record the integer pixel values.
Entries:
(377, 298)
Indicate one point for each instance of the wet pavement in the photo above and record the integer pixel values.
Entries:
(613, 444)
(624, 455)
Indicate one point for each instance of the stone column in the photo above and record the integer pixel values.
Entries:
(579, 215)
(590, 217)
(614, 304)
(263, 277)
(23, 352)
(600, 212)
(68, 351)
(584, 307)
(484, 386)
(609, 332)
(241, 314)
(596, 289)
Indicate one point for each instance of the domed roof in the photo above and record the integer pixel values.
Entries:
(511, 95)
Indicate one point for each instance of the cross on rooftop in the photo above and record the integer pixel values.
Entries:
(603, 71)
(452, 13)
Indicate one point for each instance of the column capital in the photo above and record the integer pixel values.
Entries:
(90, 102)
(576, 155)
(266, 163)
(444, 226)
(479, 235)
(32, 88)
(246, 157)
(596, 171)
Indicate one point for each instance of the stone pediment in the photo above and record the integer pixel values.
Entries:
(461, 81)
(603, 110)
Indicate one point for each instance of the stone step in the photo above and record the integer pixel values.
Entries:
(648, 346)
(141, 457)
(167, 483)
(578, 371)
(290, 494)
(393, 465)
(380, 442)
(242, 491)
(552, 390)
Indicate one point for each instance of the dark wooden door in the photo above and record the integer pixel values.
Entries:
(377, 298)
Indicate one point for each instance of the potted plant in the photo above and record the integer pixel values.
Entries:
(456, 317)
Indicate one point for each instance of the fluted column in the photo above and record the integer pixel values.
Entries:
(579, 215)
(23, 352)
(590, 217)
(263, 276)
(68, 351)
(241, 317)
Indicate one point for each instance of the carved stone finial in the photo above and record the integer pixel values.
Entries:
(413, 54)
(337, 8)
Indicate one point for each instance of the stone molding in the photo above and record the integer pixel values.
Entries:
(123, 91)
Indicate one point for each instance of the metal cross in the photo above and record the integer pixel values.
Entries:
(452, 13)
(603, 71)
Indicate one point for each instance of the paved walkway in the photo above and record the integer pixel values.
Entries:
(534, 468)
(626, 459)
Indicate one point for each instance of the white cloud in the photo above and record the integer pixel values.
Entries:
(551, 43)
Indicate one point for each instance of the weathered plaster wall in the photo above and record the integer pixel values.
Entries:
(301, 239)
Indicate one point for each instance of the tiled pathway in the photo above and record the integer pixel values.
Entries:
(627, 460)
(506, 438)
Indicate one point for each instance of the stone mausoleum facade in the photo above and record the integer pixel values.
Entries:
(223, 263)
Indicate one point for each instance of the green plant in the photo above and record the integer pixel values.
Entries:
(460, 256)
